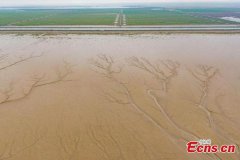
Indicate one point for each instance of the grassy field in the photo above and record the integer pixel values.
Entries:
(58, 17)
(158, 16)
(134, 16)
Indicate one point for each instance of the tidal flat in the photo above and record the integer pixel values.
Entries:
(118, 97)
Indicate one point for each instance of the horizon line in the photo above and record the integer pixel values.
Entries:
(114, 3)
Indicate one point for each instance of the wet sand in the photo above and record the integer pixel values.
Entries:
(118, 97)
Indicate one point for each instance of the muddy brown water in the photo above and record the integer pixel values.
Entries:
(139, 97)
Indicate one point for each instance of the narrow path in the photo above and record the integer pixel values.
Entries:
(124, 20)
(116, 22)
(120, 19)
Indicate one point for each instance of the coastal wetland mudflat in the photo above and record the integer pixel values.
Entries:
(118, 97)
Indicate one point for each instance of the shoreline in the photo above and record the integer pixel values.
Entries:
(115, 32)
(165, 29)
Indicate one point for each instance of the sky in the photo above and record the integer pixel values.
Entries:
(86, 2)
